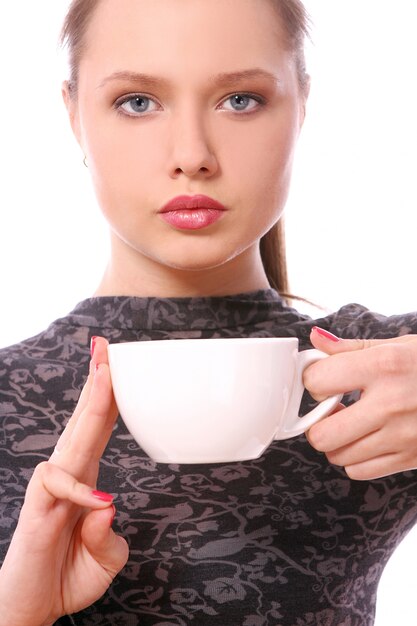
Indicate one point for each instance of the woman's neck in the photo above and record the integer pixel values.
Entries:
(148, 278)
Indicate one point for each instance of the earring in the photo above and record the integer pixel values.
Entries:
(85, 161)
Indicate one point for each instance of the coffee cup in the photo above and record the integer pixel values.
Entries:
(212, 400)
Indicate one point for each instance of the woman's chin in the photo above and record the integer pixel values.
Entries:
(198, 258)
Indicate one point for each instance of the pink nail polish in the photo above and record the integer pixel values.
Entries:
(101, 495)
(93, 345)
(325, 334)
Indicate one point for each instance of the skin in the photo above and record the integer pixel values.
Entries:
(189, 141)
(377, 435)
(64, 553)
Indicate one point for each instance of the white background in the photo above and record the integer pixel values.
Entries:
(350, 217)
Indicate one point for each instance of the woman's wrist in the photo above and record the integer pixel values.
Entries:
(10, 619)
(9, 616)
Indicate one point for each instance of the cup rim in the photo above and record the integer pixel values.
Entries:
(208, 340)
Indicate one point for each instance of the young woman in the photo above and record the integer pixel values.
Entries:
(188, 113)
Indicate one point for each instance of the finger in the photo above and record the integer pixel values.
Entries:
(95, 424)
(331, 344)
(98, 355)
(86, 440)
(374, 445)
(50, 483)
(68, 430)
(398, 435)
(339, 373)
(346, 426)
(91, 433)
(350, 371)
(100, 351)
(377, 467)
(106, 547)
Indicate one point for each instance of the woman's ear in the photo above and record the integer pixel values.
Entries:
(72, 109)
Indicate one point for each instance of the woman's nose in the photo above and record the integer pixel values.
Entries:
(191, 152)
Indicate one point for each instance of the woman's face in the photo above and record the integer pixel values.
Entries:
(218, 113)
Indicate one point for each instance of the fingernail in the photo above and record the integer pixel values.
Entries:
(101, 495)
(113, 516)
(325, 333)
(93, 345)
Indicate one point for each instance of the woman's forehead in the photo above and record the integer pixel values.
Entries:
(203, 30)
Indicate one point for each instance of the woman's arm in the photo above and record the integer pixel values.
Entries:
(64, 555)
(377, 435)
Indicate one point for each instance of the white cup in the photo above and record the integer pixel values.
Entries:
(212, 400)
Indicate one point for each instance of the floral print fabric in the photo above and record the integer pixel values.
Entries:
(286, 539)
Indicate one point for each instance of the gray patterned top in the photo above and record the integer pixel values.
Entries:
(286, 539)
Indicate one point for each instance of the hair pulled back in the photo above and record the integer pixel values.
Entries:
(295, 21)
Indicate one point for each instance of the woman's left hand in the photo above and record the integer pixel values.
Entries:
(377, 435)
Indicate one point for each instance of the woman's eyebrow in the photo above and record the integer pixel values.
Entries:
(221, 80)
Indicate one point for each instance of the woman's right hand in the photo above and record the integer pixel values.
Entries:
(64, 554)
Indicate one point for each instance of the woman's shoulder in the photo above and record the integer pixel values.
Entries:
(43, 366)
(355, 320)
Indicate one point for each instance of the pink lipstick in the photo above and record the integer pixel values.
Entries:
(192, 212)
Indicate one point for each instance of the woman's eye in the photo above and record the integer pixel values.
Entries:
(135, 105)
(243, 102)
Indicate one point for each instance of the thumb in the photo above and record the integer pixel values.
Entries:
(108, 549)
(331, 344)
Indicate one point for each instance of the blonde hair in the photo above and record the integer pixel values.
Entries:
(294, 19)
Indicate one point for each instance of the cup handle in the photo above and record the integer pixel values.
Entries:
(293, 424)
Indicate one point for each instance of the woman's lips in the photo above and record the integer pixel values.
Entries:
(192, 219)
(192, 212)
